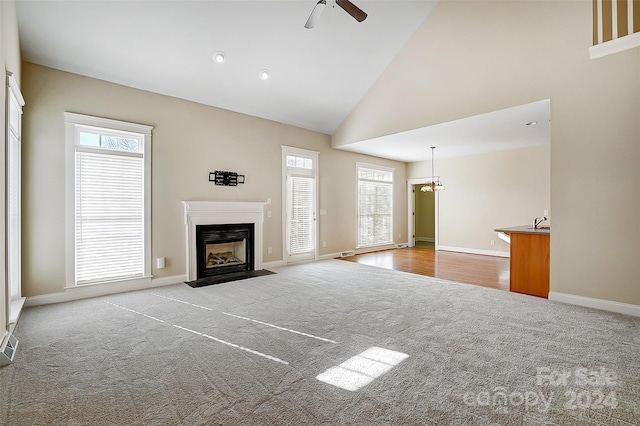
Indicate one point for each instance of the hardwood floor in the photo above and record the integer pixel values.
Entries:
(486, 271)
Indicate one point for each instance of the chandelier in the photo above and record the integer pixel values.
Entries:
(434, 183)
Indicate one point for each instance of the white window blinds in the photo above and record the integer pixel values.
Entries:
(13, 217)
(109, 216)
(375, 206)
(108, 199)
(302, 233)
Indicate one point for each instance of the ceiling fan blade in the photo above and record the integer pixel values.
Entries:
(352, 10)
(315, 14)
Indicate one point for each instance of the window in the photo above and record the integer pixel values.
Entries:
(299, 162)
(15, 102)
(375, 205)
(108, 200)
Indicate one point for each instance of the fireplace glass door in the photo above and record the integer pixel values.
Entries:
(224, 249)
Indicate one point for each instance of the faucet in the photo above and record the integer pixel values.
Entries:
(537, 221)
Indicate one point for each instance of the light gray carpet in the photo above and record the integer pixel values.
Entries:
(474, 355)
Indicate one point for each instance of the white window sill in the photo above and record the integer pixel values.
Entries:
(103, 289)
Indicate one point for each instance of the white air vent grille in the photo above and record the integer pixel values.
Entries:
(8, 349)
(347, 253)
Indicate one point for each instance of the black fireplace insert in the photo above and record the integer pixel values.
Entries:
(224, 249)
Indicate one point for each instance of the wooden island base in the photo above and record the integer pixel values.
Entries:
(529, 263)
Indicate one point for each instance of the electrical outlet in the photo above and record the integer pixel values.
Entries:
(493, 242)
(270, 250)
(269, 213)
(324, 244)
(546, 213)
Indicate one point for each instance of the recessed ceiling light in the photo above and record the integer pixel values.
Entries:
(264, 74)
(531, 123)
(218, 57)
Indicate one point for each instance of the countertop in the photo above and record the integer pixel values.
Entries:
(524, 229)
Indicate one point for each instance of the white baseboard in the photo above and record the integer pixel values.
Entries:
(589, 302)
(280, 263)
(86, 292)
(378, 248)
(475, 251)
(275, 264)
(337, 255)
(329, 256)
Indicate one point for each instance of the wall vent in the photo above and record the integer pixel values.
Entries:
(8, 349)
(347, 253)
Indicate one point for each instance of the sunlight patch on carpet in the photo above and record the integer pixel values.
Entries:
(362, 369)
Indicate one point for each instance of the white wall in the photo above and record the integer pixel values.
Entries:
(189, 141)
(474, 57)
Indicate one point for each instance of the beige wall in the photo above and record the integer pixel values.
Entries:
(9, 61)
(475, 57)
(424, 213)
(488, 191)
(189, 141)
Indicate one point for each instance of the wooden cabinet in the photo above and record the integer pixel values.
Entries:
(530, 264)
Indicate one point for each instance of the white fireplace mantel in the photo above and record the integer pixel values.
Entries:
(220, 213)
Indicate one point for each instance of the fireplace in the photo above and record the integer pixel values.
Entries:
(223, 249)
(232, 215)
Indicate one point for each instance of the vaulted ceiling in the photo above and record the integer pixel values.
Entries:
(317, 76)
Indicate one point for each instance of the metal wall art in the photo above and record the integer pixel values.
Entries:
(226, 178)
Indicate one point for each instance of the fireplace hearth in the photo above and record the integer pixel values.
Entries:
(224, 249)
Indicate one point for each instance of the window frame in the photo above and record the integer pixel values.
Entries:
(13, 201)
(74, 124)
(382, 169)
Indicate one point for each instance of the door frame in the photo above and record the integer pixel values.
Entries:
(411, 222)
(286, 172)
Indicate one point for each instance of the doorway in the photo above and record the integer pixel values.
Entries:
(300, 176)
(423, 215)
(425, 219)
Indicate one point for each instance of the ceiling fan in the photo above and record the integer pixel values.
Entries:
(346, 5)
